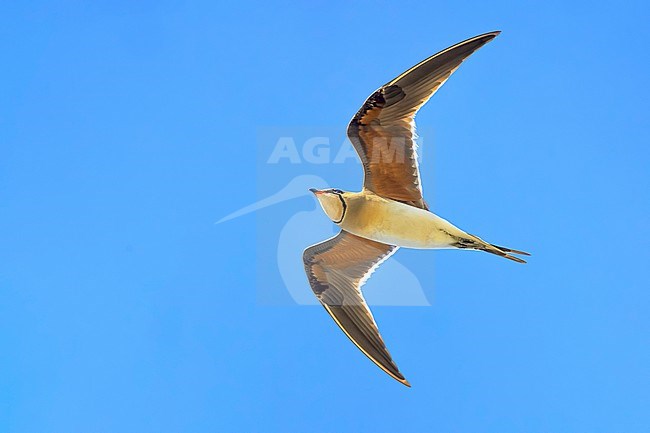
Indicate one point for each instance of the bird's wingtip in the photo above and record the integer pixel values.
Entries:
(397, 375)
(491, 35)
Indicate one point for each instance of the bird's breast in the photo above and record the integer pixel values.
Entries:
(396, 223)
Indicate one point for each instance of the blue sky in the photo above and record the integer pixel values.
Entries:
(127, 130)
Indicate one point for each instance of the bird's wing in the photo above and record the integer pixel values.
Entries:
(336, 269)
(383, 130)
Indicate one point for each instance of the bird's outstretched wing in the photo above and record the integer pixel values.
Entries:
(383, 130)
(337, 268)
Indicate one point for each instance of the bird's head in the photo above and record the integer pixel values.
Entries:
(333, 203)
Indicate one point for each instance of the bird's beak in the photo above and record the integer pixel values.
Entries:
(315, 191)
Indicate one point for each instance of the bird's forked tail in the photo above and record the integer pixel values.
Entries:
(476, 243)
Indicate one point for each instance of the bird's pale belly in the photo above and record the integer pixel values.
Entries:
(396, 223)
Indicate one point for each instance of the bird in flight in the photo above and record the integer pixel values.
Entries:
(390, 211)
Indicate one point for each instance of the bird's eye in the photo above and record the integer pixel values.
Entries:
(336, 191)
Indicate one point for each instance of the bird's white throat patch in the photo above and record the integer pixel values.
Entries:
(333, 205)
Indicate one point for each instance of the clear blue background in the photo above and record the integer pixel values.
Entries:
(127, 129)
